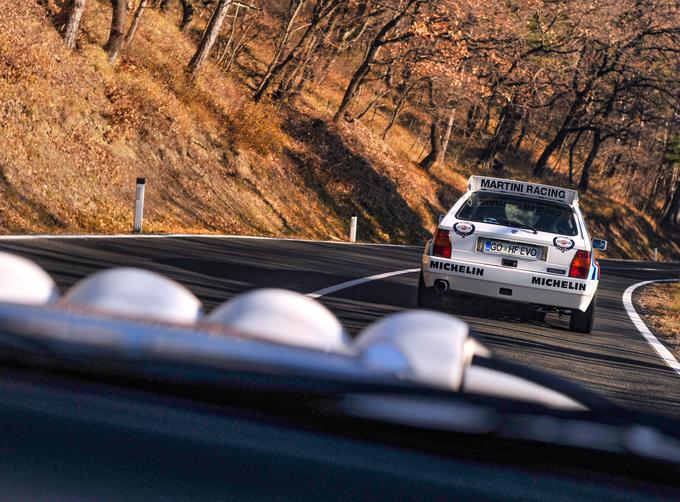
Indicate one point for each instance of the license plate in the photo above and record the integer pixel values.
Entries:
(512, 249)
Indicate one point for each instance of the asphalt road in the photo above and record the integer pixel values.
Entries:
(613, 360)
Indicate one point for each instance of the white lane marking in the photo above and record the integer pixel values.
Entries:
(660, 349)
(184, 236)
(625, 260)
(605, 268)
(356, 282)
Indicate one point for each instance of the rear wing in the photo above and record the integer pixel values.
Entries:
(488, 184)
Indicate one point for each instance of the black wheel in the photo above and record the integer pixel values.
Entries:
(428, 298)
(582, 322)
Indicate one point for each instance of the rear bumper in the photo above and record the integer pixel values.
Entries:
(509, 284)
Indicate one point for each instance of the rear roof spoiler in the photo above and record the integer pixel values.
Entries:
(488, 184)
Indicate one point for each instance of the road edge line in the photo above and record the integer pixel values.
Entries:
(653, 341)
(30, 237)
(356, 282)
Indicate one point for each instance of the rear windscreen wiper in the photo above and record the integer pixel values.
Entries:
(516, 224)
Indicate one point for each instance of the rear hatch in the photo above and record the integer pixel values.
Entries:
(515, 231)
(519, 248)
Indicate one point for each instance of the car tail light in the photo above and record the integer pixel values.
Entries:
(580, 265)
(442, 243)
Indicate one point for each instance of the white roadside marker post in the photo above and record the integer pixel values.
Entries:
(353, 229)
(656, 254)
(139, 206)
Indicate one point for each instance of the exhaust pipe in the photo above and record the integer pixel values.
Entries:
(441, 285)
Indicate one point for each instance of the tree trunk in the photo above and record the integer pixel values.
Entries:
(309, 61)
(492, 145)
(671, 211)
(135, 23)
(397, 109)
(562, 134)
(516, 143)
(666, 216)
(447, 136)
(373, 104)
(266, 80)
(393, 117)
(72, 13)
(511, 118)
(471, 120)
(187, 15)
(651, 198)
(297, 53)
(117, 32)
(369, 59)
(435, 145)
(243, 39)
(572, 148)
(356, 81)
(559, 156)
(288, 79)
(594, 149)
(295, 68)
(210, 34)
(308, 73)
(435, 132)
(520, 138)
(611, 169)
(230, 39)
(486, 120)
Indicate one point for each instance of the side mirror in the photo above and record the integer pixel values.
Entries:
(441, 217)
(600, 244)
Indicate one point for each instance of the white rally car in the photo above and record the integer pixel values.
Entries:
(514, 241)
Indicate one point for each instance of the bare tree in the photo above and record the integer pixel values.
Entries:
(399, 105)
(670, 214)
(447, 135)
(232, 34)
(117, 32)
(435, 131)
(135, 22)
(187, 11)
(381, 39)
(246, 34)
(233, 40)
(572, 149)
(71, 13)
(321, 9)
(187, 15)
(210, 34)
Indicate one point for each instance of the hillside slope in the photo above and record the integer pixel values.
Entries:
(76, 132)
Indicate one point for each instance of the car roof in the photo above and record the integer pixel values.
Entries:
(524, 188)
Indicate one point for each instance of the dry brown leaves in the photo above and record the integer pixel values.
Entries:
(661, 303)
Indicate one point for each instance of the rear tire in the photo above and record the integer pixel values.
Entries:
(428, 298)
(582, 322)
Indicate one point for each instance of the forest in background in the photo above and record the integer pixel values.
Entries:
(308, 111)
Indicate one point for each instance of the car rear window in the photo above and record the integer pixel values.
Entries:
(510, 210)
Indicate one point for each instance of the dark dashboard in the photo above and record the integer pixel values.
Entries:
(66, 438)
